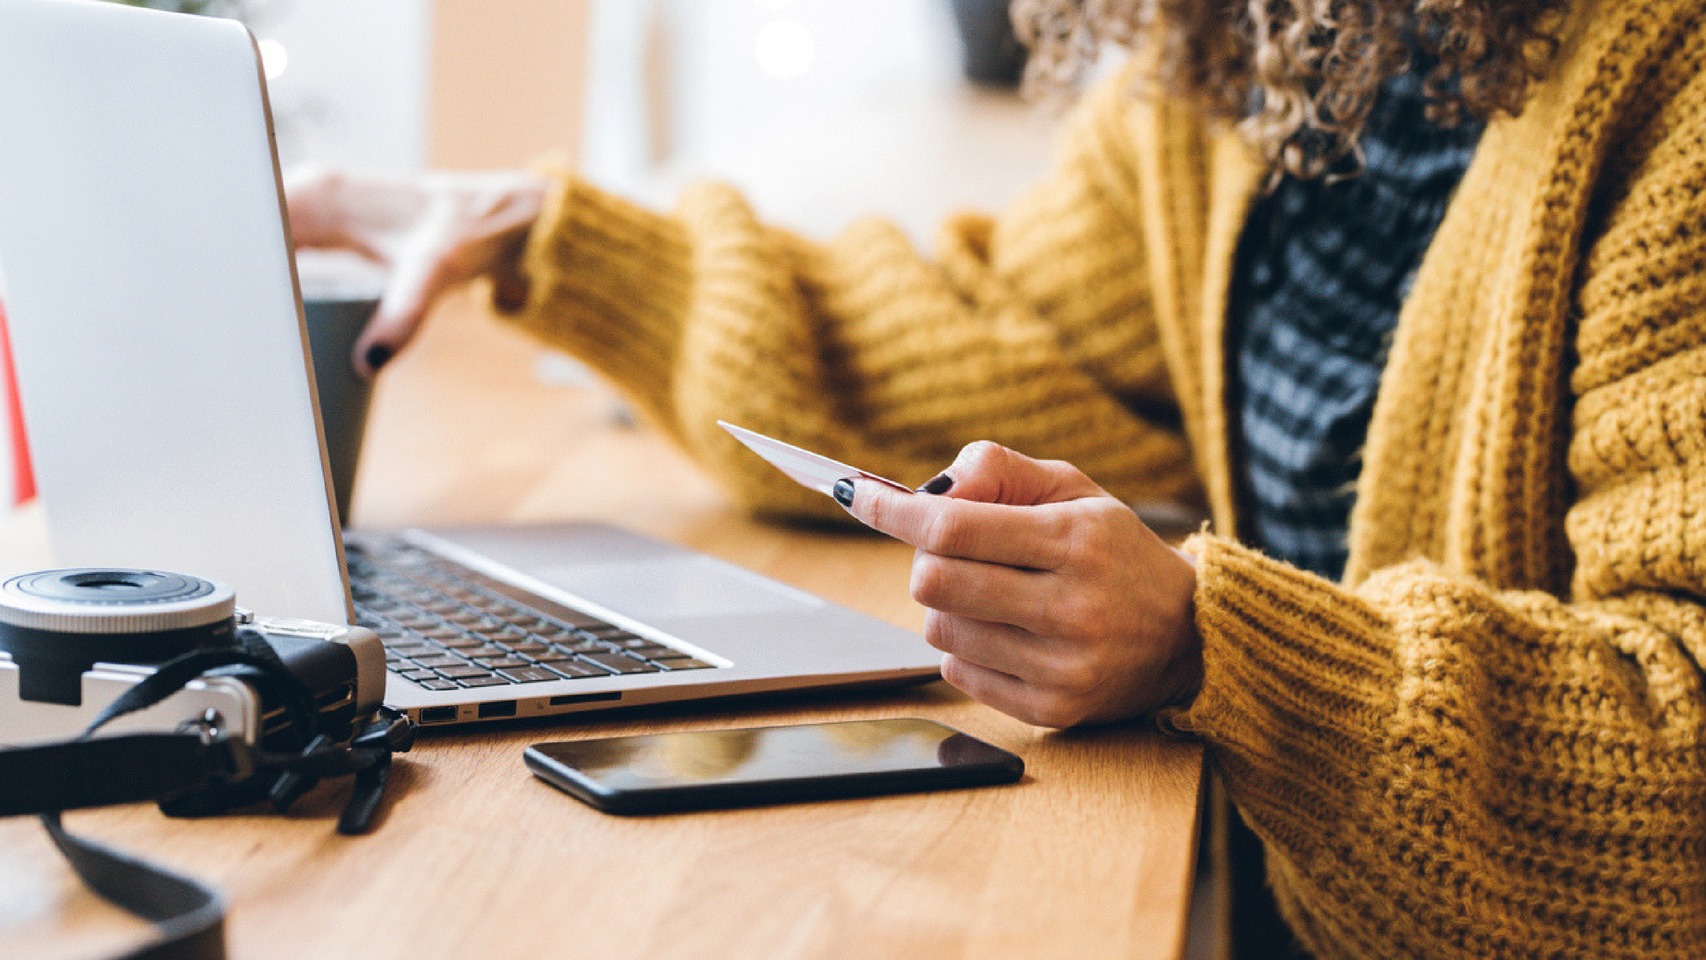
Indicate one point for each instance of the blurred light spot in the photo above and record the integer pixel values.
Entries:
(274, 58)
(785, 49)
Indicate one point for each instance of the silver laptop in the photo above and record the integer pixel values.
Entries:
(168, 396)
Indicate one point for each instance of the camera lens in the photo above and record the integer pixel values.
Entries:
(55, 624)
(111, 600)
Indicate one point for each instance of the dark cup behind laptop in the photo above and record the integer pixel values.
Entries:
(339, 295)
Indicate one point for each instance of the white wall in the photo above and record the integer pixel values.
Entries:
(355, 87)
(819, 110)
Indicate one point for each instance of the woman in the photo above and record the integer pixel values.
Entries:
(1408, 292)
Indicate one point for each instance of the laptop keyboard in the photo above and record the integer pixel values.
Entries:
(446, 626)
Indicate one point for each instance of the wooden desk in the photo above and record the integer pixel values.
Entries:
(1089, 856)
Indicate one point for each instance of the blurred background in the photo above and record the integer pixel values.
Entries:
(821, 110)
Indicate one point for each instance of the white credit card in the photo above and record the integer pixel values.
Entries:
(811, 470)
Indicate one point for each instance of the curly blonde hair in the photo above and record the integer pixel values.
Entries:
(1299, 77)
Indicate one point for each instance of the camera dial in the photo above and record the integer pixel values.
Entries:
(55, 624)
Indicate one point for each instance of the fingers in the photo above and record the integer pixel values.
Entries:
(338, 209)
(308, 193)
(416, 282)
(995, 646)
(1009, 694)
(991, 592)
(992, 473)
(982, 683)
(433, 232)
(986, 510)
(387, 334)
(984, 507)
(994, 533)
(1051, 599)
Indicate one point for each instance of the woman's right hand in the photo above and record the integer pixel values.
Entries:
(432, 233)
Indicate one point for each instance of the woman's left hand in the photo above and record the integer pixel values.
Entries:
(1052, 601)
(432, 231)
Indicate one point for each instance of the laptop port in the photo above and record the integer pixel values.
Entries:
(438, 714)
(497, 708)
(571, 698)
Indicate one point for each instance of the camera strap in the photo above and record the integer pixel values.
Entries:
(188, 916)
(172, 767)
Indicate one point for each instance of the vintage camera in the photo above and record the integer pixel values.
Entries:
(152, 652)
(119, 685)
(73, 641)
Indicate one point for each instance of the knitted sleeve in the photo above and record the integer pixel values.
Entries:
(1438, 768)
(1033, 329)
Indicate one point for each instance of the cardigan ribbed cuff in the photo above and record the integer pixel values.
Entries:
(1296, 674)
(610, 282)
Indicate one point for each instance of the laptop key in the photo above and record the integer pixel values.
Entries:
(618, 663)
(573, 669)
(682, 663)
(437, 684)
(651, 650)
(464, 672)
(489, 680)
(507, 663)
(414, 649)
(535, 604)
(527, 675)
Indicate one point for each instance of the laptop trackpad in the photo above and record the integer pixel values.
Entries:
(675, 587)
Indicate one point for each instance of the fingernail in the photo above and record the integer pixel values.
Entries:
(378, 356)
(843, 492)
(941, 483)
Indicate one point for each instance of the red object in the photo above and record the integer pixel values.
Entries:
(23, 478)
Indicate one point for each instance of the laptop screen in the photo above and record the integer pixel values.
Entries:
(161, 356)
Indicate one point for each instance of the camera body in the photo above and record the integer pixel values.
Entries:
(73, 641)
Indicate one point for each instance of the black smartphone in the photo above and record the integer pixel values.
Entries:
(698, 770)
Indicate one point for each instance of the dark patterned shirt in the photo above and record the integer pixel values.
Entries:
(1322, 270)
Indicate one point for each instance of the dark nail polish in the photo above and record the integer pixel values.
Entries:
(378, 356)
(843, 492)
(941, 483)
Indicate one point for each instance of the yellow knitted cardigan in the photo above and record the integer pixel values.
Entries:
(1485, 742)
